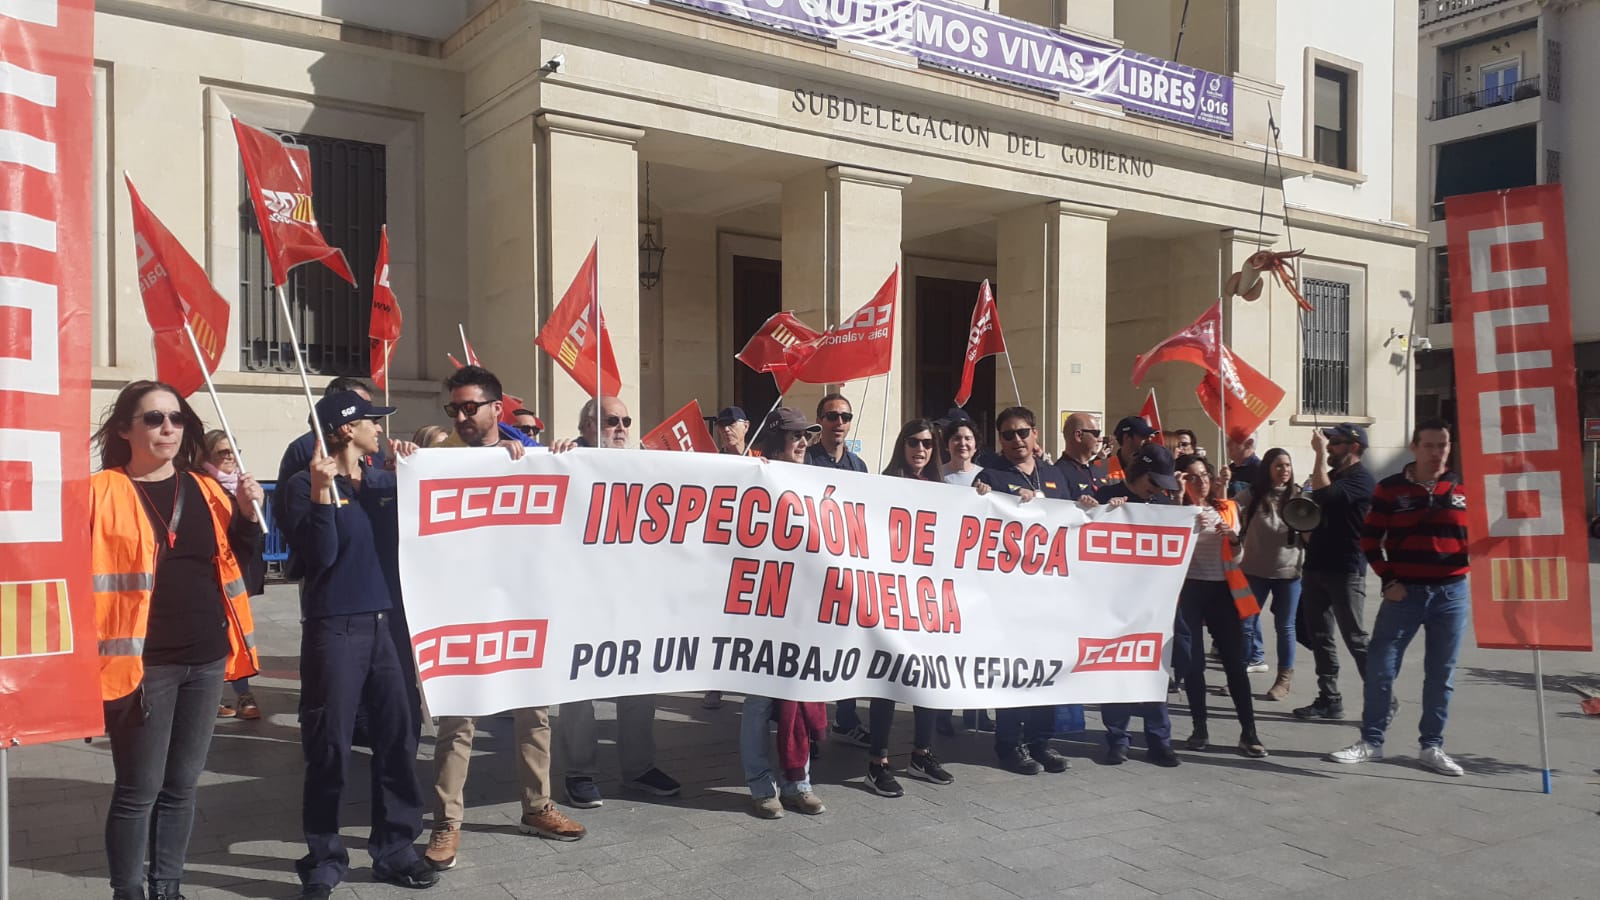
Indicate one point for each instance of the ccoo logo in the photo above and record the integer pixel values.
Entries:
(1145, 545)
(457, 504)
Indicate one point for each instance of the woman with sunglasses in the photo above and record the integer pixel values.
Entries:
(913, 457)
(173, 619)
(1272, 557)
(1207, 598)
(1022, 735)
(783, 439)
(222, 464)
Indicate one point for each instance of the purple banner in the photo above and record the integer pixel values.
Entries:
(947, 35)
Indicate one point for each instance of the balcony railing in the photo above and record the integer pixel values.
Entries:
(1431, 11)
(1499, 95)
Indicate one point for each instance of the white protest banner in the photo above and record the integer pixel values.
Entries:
(604, 573)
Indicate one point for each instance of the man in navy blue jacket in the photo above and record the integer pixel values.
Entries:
(337, 513)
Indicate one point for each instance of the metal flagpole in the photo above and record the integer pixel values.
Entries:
(299, 364)
(238, 454)
(883, 420)
(752, 440)
(1544, 737)
(387, 346)
(5, 823)
(466, 350)
(1013, 370)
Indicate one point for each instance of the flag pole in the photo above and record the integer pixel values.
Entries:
(1222, 385)
(465, 350)
(5, 822)
(238, 453)
(299, 364)
(1544, 737)
(1013, 370)
(883, 420)
(752, 441)
(387, 346)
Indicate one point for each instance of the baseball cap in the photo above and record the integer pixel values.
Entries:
(346, 407)
(1133, 425)
(1156, 461)
(730, 414)
(1348, 432)
(955, 415)
(787, 418)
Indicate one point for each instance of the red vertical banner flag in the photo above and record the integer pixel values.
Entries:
(764, 351)
(984, 338)
(383, 328)
(1520, 443)
(176, 291)
(571, 335)
(1237, 394)
(49, 663)
(861, 346)
(280, 190)
(684, 430)
(1151, 414)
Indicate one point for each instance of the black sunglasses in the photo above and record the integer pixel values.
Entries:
(155, 417)
(468, 408)
(924, 443)
(529, 430)
(1016, 434)
(1092, 432)
(836, 416)
(624, 421)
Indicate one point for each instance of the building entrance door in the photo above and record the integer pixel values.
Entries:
(757, 296)
(943, 318)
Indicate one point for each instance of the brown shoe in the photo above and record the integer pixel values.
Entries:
(224, 711)
(1280, 688)
(442, 844)
(550, 823)
(248, 708)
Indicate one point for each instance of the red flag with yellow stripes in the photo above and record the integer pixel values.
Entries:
(35, 619)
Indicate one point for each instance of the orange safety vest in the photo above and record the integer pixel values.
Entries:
(1244, 599)
(123, 559)
(1114, 471)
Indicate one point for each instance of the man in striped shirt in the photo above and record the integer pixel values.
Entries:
(1415, 539)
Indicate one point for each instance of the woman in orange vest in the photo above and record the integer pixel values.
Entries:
(1216, 593)
(173, 619)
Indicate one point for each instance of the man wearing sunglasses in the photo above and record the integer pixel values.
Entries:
(613, 424)
(527, 422)
(1079, 462)
(1333, 582)
(829, 450)
(1131, 434)
(474, 407)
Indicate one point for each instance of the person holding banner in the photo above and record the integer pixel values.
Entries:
(732, 426)
(636, 715)
(1131, 434)
(1207, 601)
(336, 520)
(1022, 735)
(829, 451)
(1148, 479)
(222, 464)
(1415, 538)
(784, 438)
(475, 406)
(1080, 454)
(173, 620)
(527, 422)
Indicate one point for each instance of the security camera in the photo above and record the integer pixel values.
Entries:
(1424, 343)
(555, 64)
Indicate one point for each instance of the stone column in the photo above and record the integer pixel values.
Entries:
(503, 272)
(1052, 296)
(841, 239)
(590, 177)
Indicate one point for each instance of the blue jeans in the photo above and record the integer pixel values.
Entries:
(1285, 605)
(158, 762)
(755, 753)
(1439, 609)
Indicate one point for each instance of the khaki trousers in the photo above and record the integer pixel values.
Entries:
(636, 737)
(452, 754)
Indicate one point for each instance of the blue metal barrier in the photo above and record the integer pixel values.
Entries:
(274, 549)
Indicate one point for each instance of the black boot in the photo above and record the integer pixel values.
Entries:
(165, 890)
(134, 893)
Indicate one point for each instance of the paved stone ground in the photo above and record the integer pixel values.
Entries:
(1218, 827)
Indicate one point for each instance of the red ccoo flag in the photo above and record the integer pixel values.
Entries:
(764, 351)
(984, 339)
(683, 430)
(175, 291)
(1195, 344)
(280, 189)
(1151, 414)
(383, 329)
(1248, 399)
(860, 347)
(569, 334)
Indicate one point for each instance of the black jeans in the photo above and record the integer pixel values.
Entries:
(1329, 599)
(1022, 725)
(157, 764)
(349, 663)
(1210, 603)
(880, 721)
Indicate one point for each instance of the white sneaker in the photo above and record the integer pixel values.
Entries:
(1360, 751)
(1434, 759)
(1254, 668)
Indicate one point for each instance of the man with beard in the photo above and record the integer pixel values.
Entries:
(1333, 587)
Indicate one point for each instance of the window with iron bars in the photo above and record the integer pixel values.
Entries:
(330, 316)
(1325, 348)
(1441, 286)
